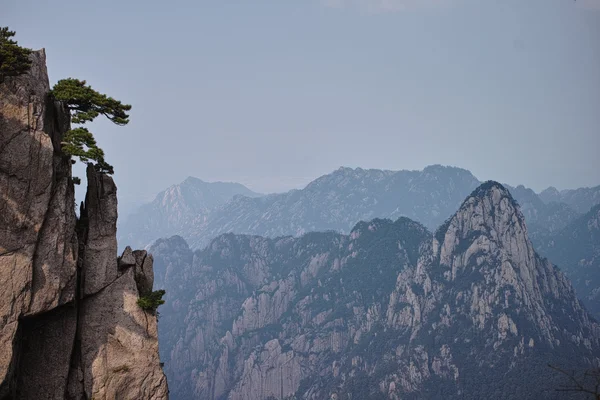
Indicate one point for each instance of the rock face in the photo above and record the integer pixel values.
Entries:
(70, 327)
(388, 311)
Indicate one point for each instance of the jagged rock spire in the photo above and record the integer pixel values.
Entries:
(70, 326)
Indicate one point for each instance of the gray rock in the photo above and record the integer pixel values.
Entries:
(100, 211)
(388, 311)
(27, 180)
(119, 345)
(127, 259)
(69, 325)
(144, 274)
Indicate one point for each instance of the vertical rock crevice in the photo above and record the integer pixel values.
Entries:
(70, 326)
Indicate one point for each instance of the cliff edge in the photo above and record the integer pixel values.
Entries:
(70, 326)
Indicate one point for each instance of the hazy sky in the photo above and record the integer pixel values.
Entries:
(275, 93)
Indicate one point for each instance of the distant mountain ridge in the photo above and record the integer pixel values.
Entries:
(189, 202)
(388, 311)
(576, 251)
(581, 200)
(337, 201)
(544, 218)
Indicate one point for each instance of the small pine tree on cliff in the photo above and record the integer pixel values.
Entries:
(85, 105)
(14, 59)
(151, 301)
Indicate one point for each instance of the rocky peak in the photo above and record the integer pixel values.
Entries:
(346, 176)
(70, 326)
(186, 204)
(387, 311)
(192, 180)
(488, 215)
(550, 194)
(440, 170)
(485, 247)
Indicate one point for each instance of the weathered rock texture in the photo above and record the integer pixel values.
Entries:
(389, 311)
(70, 326)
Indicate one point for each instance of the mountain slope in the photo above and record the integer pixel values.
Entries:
(199, 211)
(388, 311)
(543, 218)
(581, 200)
(189, 202)
(576, 250)
(339, 200)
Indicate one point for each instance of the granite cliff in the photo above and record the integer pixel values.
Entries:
(70, 326)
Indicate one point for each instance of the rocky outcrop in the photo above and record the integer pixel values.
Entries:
(70, 326)
(388, 311)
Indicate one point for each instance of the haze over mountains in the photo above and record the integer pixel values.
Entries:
(199, 211)
(316, 302)
(187, 203)
(291, 294)
(388, 311)
(363, 284)
(576, 249)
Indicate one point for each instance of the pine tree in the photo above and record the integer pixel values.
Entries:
(151, 301)
(14, 60)
(85, 105)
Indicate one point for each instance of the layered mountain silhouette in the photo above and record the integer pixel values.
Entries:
(576, 250)
(185, 204)
(389, 310)
(200, 211)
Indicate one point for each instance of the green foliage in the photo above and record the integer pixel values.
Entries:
(104, 167)
(151, 301)
(85, 105)
(80, 142)
(14, 59)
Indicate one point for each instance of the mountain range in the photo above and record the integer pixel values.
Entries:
(289, 294)
(200, 211)
(576, 249)
(389, 310)
(185, 204)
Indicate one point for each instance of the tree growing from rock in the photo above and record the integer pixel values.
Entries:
(85, 104)
(14, 59)
(151, 301)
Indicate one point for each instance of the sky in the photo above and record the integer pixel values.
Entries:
(273, 94)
